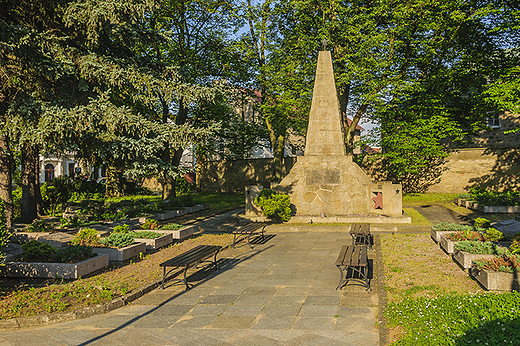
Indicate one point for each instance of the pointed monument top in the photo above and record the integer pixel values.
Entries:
(325, 132)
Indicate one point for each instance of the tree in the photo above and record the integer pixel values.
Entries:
(74, 78)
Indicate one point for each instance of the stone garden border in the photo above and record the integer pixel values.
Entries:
(487, 208)
(156, 243)
(465, 259)
(53, 270)
(86, 312)
(123, 254)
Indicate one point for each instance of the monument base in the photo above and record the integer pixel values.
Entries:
(329, 185)
(376, 219)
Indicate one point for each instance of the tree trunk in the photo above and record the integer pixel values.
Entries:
(278, 144)
(115, 186)
(6, 180)
(29, 183)
(169, 182)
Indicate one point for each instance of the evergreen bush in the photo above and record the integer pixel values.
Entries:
(36, 251)
(274, 205)
(5, 233)
(117, 240)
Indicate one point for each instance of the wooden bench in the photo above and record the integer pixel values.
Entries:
(353, 258)
(246, 231)
(190, 258)
(360, 233)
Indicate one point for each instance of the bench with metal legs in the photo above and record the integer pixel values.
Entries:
(353, 259)
(188, 259)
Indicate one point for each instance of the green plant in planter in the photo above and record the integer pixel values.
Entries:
(466, 235)
(172, 227)
(73, 253)
(121, 229)
(480, 222)
(478, 247)
(450, 226)
(86, 236)
(117, 240)
(514, 248)
(145, 234)
(492, 234)
(150, 224)
(36, 251)
(274, 205)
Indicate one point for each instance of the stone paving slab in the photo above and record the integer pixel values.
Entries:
(282, 292)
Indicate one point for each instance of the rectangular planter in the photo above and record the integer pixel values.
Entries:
(52, 270)
(500, 209)
(436, 235)
(120, 255)
(153, 244)
(496, 281)
(465, 259)
(447, 245)
(181, 233)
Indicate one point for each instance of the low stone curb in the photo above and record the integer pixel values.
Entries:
(88, 311)
(384, 331)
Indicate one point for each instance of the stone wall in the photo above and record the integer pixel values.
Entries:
(234, 175)
(491, 168)
(496, 138)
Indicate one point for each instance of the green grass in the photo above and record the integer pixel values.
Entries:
(417, 218)
(474, 319)
(427, 198)
(220, 201)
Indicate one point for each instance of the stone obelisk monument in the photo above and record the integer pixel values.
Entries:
(325, 180)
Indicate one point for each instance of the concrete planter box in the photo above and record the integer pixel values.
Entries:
(436, 235)
(501, 209)
(446, 244)
(154, 244)
(181, 233)
(52, 270)
(465, 259)
(120, 255)
(24, 237)
(496, 281)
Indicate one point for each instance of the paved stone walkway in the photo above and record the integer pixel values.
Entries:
(282, 292)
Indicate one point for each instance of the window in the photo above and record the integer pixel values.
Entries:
(49, 172)
(493, 120)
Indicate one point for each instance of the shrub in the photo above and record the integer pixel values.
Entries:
(38, 226)
(121, 229)
(35, 251)
(274, 205)
(145, 234)
(73, 253)
(515, 246)
(478, 247)
(492, 234)
(150, 224)
(495, 198)
(172, 227)
(86, 236)
(481, 223)
(449, 226)
(506, 263)
(117, 240)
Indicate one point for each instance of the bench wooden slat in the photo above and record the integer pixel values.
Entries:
(341, 257)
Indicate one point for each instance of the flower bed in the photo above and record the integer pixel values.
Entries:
(468, 251)
(53, 270)
(445, 228)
